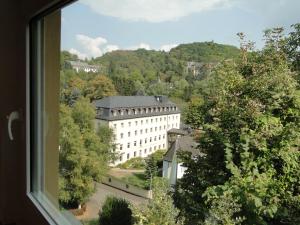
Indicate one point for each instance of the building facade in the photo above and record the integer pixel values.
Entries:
(82, 66)
(140, 123)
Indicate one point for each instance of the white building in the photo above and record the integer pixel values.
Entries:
(173, 169)
(82, 66)
(140, 123)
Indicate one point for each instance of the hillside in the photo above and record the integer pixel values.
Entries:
(151, 65)
(150, 72)
(206, 52)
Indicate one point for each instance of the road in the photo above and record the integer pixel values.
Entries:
(97, 200)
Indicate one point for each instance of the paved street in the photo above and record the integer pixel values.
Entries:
(96, 201)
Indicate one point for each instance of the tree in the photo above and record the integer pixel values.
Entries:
(115, 211)
(100, 86)
(160, 210)
(84, 114)
(249, 170)
(75, 183)
(292, 48)
(84, 152)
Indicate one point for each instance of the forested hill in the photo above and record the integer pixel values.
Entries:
(159, 61)
(149, 72)
(159, 72)
(204, 52)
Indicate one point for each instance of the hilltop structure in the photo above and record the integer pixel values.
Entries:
(82, 66)
(140, 123)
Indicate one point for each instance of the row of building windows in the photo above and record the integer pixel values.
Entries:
(121, 112)
(136, 154)
(147, 121)
(155, 138)
(147, 130)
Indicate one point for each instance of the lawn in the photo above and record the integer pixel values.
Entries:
(137, 179)
(91, 222)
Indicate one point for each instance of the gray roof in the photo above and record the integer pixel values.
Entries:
(132, 101)
(183, 143)
(128, 107)
(177, 131)
(82, 64)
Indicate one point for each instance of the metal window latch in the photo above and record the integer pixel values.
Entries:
(15, 115)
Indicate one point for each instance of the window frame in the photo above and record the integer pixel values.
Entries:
(39, 203)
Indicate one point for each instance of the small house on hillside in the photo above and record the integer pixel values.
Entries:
(172, 167)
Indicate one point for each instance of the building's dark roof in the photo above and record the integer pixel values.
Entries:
(128, 107)
(132, 101)
(177, 131)
(183, 143)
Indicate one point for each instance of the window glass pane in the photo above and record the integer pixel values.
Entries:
(92, 135)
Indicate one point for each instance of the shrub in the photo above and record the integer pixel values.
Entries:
(115, 211)
(134, 163)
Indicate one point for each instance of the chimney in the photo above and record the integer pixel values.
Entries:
(158, 98)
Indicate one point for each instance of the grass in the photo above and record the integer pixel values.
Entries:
(137, 179)
(91, 222)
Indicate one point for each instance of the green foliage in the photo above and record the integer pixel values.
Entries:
(115, 211)
(249, 112)
(159, 210)
(144, 72)
(84, 154)
(204, 52)
(292, 48)
(154, 163)
(133, 163)
(90, 222)
(100, 86)
(84, 114)
(75, 183)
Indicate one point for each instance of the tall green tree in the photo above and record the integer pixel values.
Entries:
(75, 183)
(100, 86)
(250, 121)
(84, 152)
(159, 210)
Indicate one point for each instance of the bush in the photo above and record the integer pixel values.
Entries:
(134, 163)
(154, 164)
(115, 211)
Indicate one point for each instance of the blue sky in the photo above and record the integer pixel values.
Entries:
(91, 28)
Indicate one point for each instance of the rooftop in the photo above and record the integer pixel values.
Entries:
(133, 101)
(128, 107)
(182, 143)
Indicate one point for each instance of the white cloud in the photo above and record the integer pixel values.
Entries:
(91, 45)
(78, 53)
(110, 48)
(168, 47)
(140, 46)
(153, 10)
